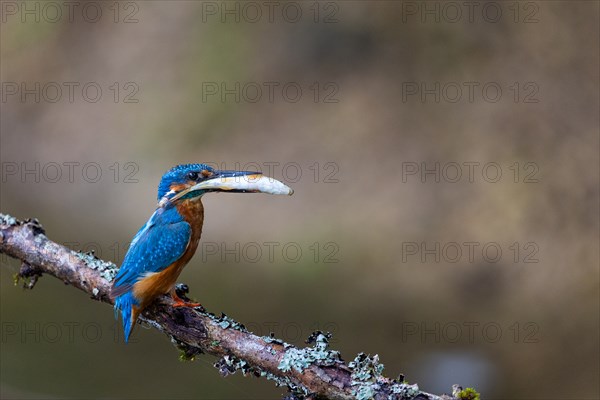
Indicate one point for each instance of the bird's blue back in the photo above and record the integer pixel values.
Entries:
(157, 245)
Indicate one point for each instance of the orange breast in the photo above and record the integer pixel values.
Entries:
(156, 284)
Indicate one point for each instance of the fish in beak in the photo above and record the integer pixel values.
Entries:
(235, 182)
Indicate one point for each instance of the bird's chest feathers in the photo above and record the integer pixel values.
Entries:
(192, 212)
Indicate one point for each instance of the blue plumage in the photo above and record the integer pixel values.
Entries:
(179, 174)
(125, 303)
(157, 245)
(166, 243)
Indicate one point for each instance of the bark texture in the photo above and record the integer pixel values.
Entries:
(311, 372)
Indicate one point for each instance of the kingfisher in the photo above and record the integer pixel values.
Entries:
(166, 243)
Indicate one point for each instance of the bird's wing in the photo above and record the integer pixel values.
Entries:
(156, 246)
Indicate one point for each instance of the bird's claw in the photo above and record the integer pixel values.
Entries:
(186, 304)
(182, 302)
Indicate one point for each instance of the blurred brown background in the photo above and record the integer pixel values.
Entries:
(369, 122)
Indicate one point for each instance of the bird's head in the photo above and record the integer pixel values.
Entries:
(189, 181)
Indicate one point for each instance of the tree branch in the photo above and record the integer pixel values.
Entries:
(311, 372)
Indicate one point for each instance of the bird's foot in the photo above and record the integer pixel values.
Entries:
(182, 303)
(179, 302)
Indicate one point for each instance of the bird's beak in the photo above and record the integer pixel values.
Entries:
(238, 182)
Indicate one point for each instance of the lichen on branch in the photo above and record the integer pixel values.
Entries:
(309, 372)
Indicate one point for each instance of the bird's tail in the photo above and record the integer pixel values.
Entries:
(129, 308)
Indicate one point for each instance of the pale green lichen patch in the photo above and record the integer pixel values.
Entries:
(226, 323)
(106, 269)
(298, 391)
(367, 379)
(271, 339)
(229, 364)
(6, 219)
(300, 359)
(366, 371)
(405, 391)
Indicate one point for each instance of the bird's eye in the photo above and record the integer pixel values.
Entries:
(193, 175)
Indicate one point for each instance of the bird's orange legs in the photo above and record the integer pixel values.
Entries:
(179, 302)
